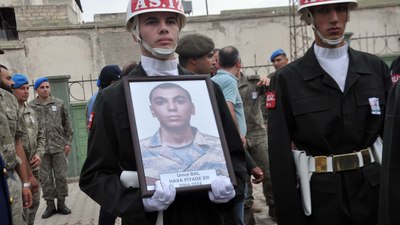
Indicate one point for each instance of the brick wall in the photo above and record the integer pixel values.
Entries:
(45, 15)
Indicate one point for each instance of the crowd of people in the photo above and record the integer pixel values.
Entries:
(311, 132)
(36, 140)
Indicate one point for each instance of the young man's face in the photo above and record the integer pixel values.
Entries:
(6, 82)
(44, 90)
(159, 30)
(203, 65)
(331, 21)
(172, 107)
(22, 93)
(280, 61)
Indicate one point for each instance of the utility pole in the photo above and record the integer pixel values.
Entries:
(298, 32)
(207, 7)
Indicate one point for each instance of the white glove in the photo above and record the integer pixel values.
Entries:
(129, 179)
(221, 190)
(161, 199)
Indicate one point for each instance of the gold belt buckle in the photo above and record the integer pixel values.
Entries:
(321, 164)
(345, 162)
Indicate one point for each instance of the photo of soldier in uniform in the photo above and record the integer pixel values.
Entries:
(176, 147)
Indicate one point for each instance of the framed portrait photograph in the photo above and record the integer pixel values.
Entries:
(177, 133)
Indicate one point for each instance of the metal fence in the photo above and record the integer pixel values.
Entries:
(381, 45)
(83, 89)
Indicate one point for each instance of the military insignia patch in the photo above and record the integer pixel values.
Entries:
(270, 103)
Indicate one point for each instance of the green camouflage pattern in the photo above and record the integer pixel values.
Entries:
(256, 137)
(9, 128)
(55, 122)
(31, 212)
(15, 188)
(32, 138)
(54, 178)
(204, 153)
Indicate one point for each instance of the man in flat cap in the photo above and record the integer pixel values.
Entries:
(195, 53)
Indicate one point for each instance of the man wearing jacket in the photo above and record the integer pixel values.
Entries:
(331, 104)
(55, 121)
(390, 178)
(110, 148)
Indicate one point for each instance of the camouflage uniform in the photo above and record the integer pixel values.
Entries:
(256, 136)
(33, 141)
(55, 122)
(204, 153)
(10, 129)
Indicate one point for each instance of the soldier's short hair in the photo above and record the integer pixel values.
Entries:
(170, 86)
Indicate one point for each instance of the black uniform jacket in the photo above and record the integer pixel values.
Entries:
(110, 150)
(390, 179)
(312, 112)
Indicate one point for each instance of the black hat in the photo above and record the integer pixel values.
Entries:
(109, 74)
(1, 51)
(194, 45)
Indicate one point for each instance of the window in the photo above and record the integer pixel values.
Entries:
(8, 24)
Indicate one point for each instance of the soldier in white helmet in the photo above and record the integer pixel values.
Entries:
(108, 174)
(330, 104)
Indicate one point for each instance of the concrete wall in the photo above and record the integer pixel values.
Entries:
(81, 50)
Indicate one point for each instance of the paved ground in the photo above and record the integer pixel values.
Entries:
(86, 212)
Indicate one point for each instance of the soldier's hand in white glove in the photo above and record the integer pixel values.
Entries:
(222, 190)
(163, 196)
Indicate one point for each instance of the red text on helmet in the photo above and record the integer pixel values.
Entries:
(137, 5)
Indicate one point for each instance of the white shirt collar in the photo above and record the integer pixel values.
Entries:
(330, 53)
(156, 67)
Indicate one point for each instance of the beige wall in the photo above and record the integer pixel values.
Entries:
(81, 50)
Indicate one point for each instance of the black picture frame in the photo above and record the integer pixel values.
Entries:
(189, 167)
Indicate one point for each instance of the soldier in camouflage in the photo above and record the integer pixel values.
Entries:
(177, 146)
(32, 139)
(251, 89)
(19, 176)
(55, 121)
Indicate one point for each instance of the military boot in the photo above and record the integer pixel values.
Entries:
(62, 208)
(50, 209)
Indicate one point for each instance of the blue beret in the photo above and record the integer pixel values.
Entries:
(276, 53)
(39, 81)
(19, 80)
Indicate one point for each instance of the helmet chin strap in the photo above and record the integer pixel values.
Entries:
(160, 53)
(329, 42)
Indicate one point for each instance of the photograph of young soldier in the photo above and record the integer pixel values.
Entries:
(177, 146)
(330, 104)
